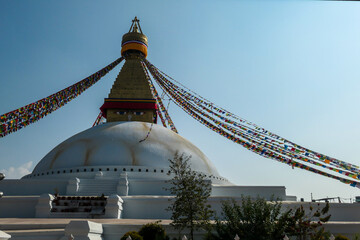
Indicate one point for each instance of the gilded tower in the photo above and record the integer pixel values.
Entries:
(130, 98)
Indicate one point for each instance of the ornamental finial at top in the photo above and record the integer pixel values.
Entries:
(135, 26)
(134, 42)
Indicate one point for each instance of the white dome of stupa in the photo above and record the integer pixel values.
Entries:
(120, 145)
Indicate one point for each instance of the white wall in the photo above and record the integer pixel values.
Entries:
(348, 212)
(147, 187)
(23, 187)
(15, 207)
(145, 207)
(267, 192)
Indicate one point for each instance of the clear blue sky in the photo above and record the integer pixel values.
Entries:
(291, 67)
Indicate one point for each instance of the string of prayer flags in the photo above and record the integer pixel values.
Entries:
(17, 119)
(249, 135)
(159, 103)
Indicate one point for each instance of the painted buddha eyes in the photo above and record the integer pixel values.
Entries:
(130, 113)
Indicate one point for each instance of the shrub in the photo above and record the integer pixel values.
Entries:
(356, 237)
(133, 234)
(258, 219)
(153, 231)
(254, 219)
(341, 237)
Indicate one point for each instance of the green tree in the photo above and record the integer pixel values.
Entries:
(189, 207)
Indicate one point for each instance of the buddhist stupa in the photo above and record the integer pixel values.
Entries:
(130, 145)
(124, 160)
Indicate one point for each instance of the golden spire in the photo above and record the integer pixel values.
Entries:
(130, 98)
